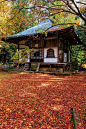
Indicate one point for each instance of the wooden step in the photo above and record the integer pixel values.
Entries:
(34, 66)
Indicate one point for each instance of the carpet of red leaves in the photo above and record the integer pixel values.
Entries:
(41, 101)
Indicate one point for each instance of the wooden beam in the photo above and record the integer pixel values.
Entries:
(53, 37)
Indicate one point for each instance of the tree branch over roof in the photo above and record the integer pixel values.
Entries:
(66, 6)
(79, 13)
(59, 24)
(81, 3)
(83, 26)
(69, 6)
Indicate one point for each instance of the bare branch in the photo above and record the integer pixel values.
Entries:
(59, 24)
(58, 9)
(83, 26)
(81, 3)
(48, 8)
(15, 14)
(63, 12)
(76, 7)
(76, 13)
(68, 4)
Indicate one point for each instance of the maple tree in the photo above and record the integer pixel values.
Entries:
(64, 6)
(52, 7)
(21, 14)
(5, 30)
(20, 17)
(13, 19)
(4, 15)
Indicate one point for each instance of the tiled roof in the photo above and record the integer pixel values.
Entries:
(37, 29)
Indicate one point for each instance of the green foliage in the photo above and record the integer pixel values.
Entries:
(78, 55)
(76, 17)
(83, 36)
(15, 6)
(21, 56)
(7, 51)
(15, 18)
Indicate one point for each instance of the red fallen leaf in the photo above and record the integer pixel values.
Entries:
(56, 99)
(2, 98)
(65, 89)
(82, 128)
(57, 108)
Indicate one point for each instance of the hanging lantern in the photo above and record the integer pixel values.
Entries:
(37, 35)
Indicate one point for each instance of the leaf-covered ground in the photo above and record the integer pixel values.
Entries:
(41, 101)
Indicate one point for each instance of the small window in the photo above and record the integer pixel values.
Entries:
(50, 53)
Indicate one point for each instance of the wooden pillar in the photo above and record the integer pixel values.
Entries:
(58, 49)
(43, 53)
(42, 50)
(18, 50)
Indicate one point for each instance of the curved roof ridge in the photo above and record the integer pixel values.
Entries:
(33, 30)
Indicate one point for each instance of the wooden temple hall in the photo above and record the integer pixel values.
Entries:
(53, 50)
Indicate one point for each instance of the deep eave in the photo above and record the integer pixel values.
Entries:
(67, 33)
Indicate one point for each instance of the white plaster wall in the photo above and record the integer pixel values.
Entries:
(28, 60)
(52, 60)
(65, 57)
